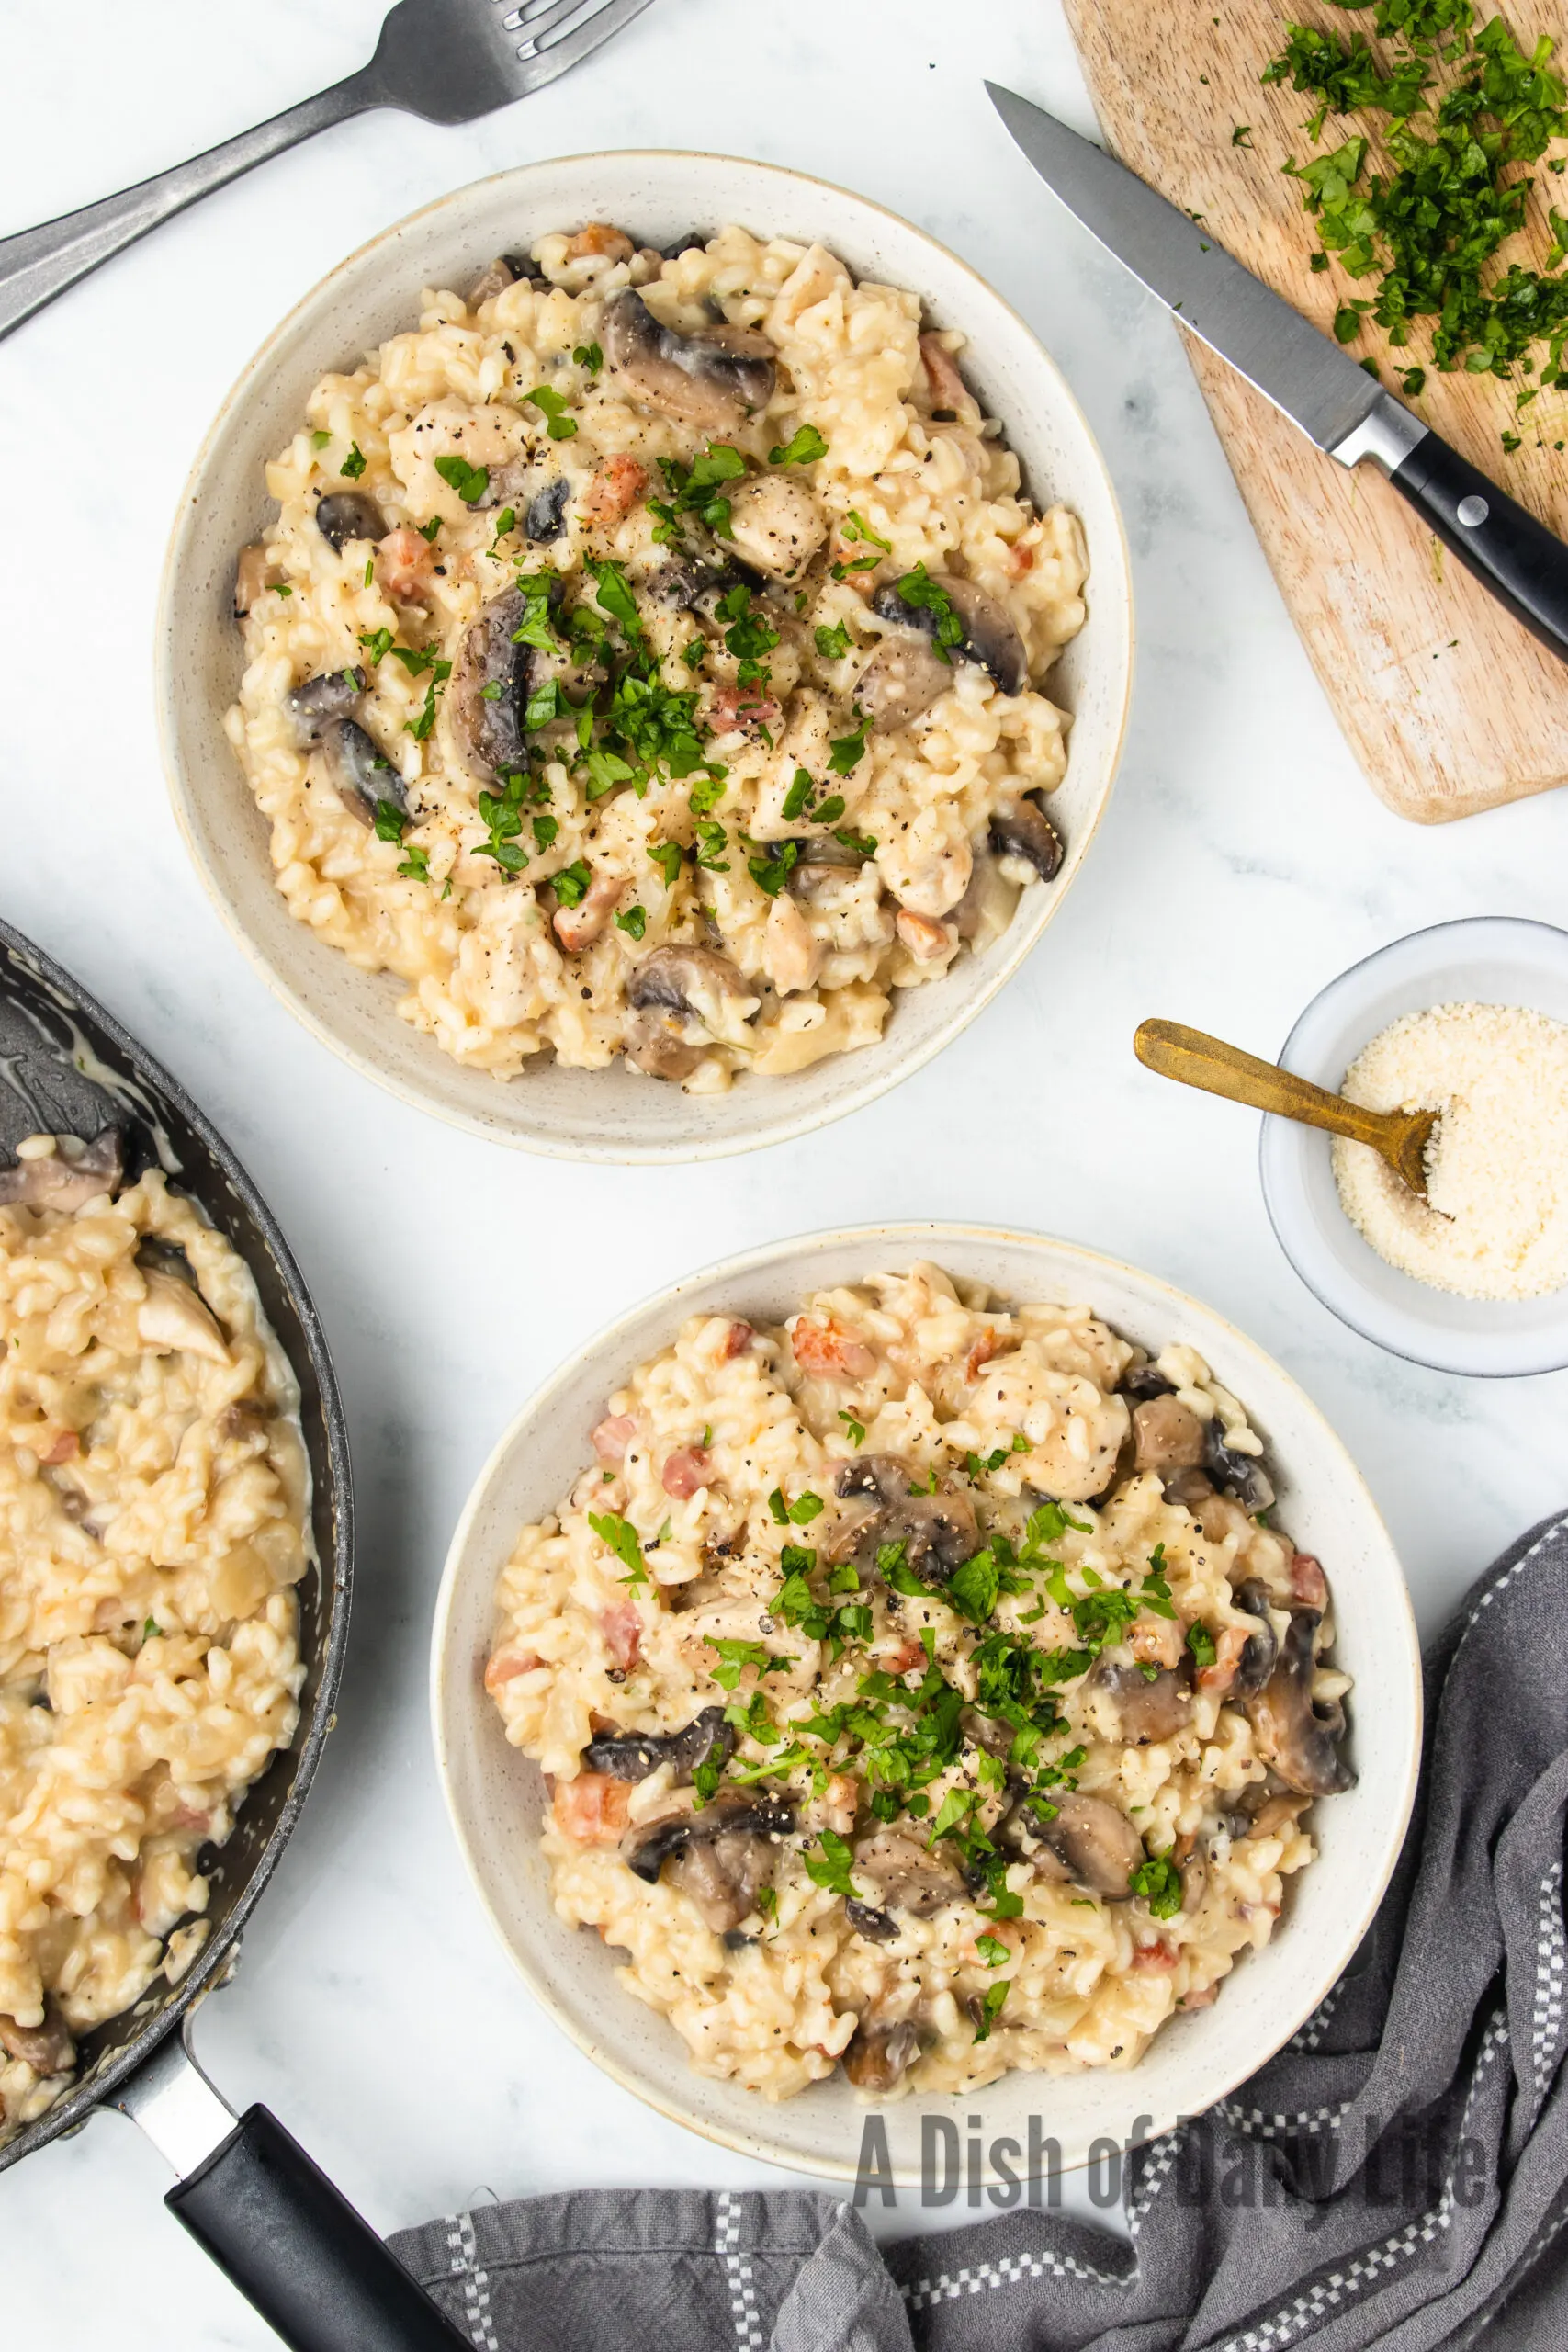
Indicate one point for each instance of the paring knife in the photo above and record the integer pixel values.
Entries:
(1332, 400)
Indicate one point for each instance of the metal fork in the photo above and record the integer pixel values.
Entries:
(449, 61)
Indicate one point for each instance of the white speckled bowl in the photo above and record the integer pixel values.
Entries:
(1485, 960)
(612, 1115)
(496, 1796)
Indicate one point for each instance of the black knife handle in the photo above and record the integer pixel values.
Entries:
(1523, 563)
(295, 2248)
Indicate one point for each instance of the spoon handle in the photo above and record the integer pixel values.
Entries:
(1199, 1061)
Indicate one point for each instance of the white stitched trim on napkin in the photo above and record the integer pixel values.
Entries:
(1552, 1957)
(463, 2248)
(742, 2287)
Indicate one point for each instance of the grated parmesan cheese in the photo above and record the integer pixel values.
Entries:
(1495, 1221)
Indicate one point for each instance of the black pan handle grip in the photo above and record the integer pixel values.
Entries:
(1523, 563)
(292, 2243)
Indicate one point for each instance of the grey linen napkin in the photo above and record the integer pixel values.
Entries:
(1398, 2176)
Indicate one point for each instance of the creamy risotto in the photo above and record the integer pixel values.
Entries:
(645, 659)
(153, 1499)
(920, 1688)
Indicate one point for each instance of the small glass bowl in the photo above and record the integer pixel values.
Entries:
(1487, 959)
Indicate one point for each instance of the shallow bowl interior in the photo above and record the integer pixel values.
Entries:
(495, 1796)
(1488, 959)
(606, 1114)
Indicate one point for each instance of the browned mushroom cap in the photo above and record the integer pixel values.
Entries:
(487, 691)
(319, 703)
(1021, 829)
(667, 990)
(714, 379)
(493, 279)
(59, 1181)
(48, 2048)
(903, 678)
(879, 2054)
(632, 1755)
(1241, 1476)
(347, 514)
(990, 638)
(1097, 1843)
(1194, 1870)
(1145, 1710)
(907, 1875)
(867, 1921)
(938, 1531)
(362, 774)
(1166, 1435)
(720, 1857)
(1261, 1650)
(1297, 1736)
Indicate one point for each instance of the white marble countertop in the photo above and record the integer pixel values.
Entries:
(1242, 862)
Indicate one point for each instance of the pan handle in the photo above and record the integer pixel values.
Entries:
(270, 2218)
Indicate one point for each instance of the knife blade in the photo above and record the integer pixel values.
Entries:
(1332, 400)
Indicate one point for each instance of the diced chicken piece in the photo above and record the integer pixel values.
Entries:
(792, 953)
(578, 927)
(173, 1316)
(830, 1350)
(925, 940)
(405, 565)
(948, 389)
(775, 524)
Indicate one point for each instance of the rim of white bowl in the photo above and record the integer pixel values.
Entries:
(1286, 1152)
(926, 1236)
(784, 1127)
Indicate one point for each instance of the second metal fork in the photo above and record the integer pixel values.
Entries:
(449, 61)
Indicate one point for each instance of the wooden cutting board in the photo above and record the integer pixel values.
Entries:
(1448, 702)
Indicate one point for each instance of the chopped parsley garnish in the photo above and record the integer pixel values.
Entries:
(734, 1657)
(697, 489)
(991, 2007)
(471, 483)
(589, 356)
(993, 1952)
(572, 884)
(918, 589)
(667, 856)
(375, 642)
(1155, 1592)
(853, 1430)
(833, 643)
(353, 465)
(831, 1867)
(846, 750)
(621, 1538)
(1159, 1882)
(150, 1629)
(1427, 228)
(800, 1513)
(428, 530)
(553, 409)
(859, 844)
(633, 921)
(712, 842)
(389, 823)
(797, 797)
(856, 529)
(803, 447)
(1201, 1642)
(505, 521)
(319, 440)
(420, 726)
(615, 596)
(772, 865)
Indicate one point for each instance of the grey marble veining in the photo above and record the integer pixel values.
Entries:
(1243, 862)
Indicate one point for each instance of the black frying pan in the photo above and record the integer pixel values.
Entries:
(248, 2192)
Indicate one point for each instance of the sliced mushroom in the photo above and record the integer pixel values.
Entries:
(493, 279)
(487, 691)
(56, 1180)
(1241, 1476)
(48, 2048)
(363, 776)
(775, 524)
(545, 516)
(876, 1925)
(672, 987)
(1021, 829)
(1166, 1435)
(938, 1531)
(903, 678)
(175, 1316)
(1194, 1870)
(1144, 1708)
(632, 1755)
(989, 639)
(1097, 1841)
(1296, 1735)
(907, 1875)
(678, 245)
(713, 379)
(879, 2055)
(1146, 1381)
(720, 1857)
(688, 585)
(319, 703)
(1261, 1650)
(346, 514)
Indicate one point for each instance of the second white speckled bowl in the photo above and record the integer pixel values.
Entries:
(612, 1115)
(496, 1796)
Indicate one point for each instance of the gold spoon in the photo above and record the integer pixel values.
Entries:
(1400, 1138)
